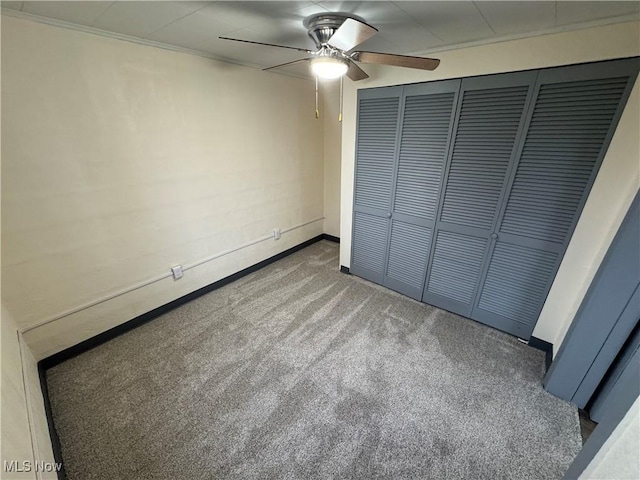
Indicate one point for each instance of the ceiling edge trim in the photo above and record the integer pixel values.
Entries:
(537, 33)
(128, 38)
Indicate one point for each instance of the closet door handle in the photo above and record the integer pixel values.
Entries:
(494, 235)
(389, 215)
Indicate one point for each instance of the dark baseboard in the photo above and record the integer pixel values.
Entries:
(114, 332)
(344, 269)
(57, 358)
(53, 433)
(331, 238)
(545, 347)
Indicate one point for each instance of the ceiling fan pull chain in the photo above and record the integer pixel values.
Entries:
(341, 99)
(317, 112)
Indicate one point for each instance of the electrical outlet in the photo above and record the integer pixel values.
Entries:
(177, 272)
(276, 233)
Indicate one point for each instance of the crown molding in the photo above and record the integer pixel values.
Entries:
(129, 38)
(537, 33)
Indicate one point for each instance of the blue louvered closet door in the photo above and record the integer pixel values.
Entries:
(403, 139)
(573, 118)
(489, 120)
(467, 191)
(376, 153)
(426, 125)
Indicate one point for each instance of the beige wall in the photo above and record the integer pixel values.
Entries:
(614, 188)
(121, 160)
(332, 151)
(25, 434)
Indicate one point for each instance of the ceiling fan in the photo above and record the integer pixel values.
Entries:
(335, 35)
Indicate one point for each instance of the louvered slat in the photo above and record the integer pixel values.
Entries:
(408, 253)
(487, 128)
(569, 125)
(425, 132)
(457, 260)
(377, 123)
(369, 242)
(516, 282)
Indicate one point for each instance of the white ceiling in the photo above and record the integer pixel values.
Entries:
(411, 27)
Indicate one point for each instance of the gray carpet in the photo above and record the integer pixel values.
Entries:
(299, 371)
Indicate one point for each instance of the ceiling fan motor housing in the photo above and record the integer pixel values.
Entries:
(322, 26)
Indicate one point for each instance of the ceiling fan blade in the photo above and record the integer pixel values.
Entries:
(288, 63)
(355, 73)
(351, 34)
(266, 44)
(396, 60)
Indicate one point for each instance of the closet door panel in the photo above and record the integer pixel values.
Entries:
(425, 135)
(516, 279)
(408, 249)
(489, 120)
(377, 129)
(574, 116)
(377, 132)
(456, 265)
(487, 128)
(559, 156)
(427, 120)
(369, 245)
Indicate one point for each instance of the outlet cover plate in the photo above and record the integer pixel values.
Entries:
(177, 272)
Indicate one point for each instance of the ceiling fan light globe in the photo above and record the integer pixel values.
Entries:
(329, 68)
